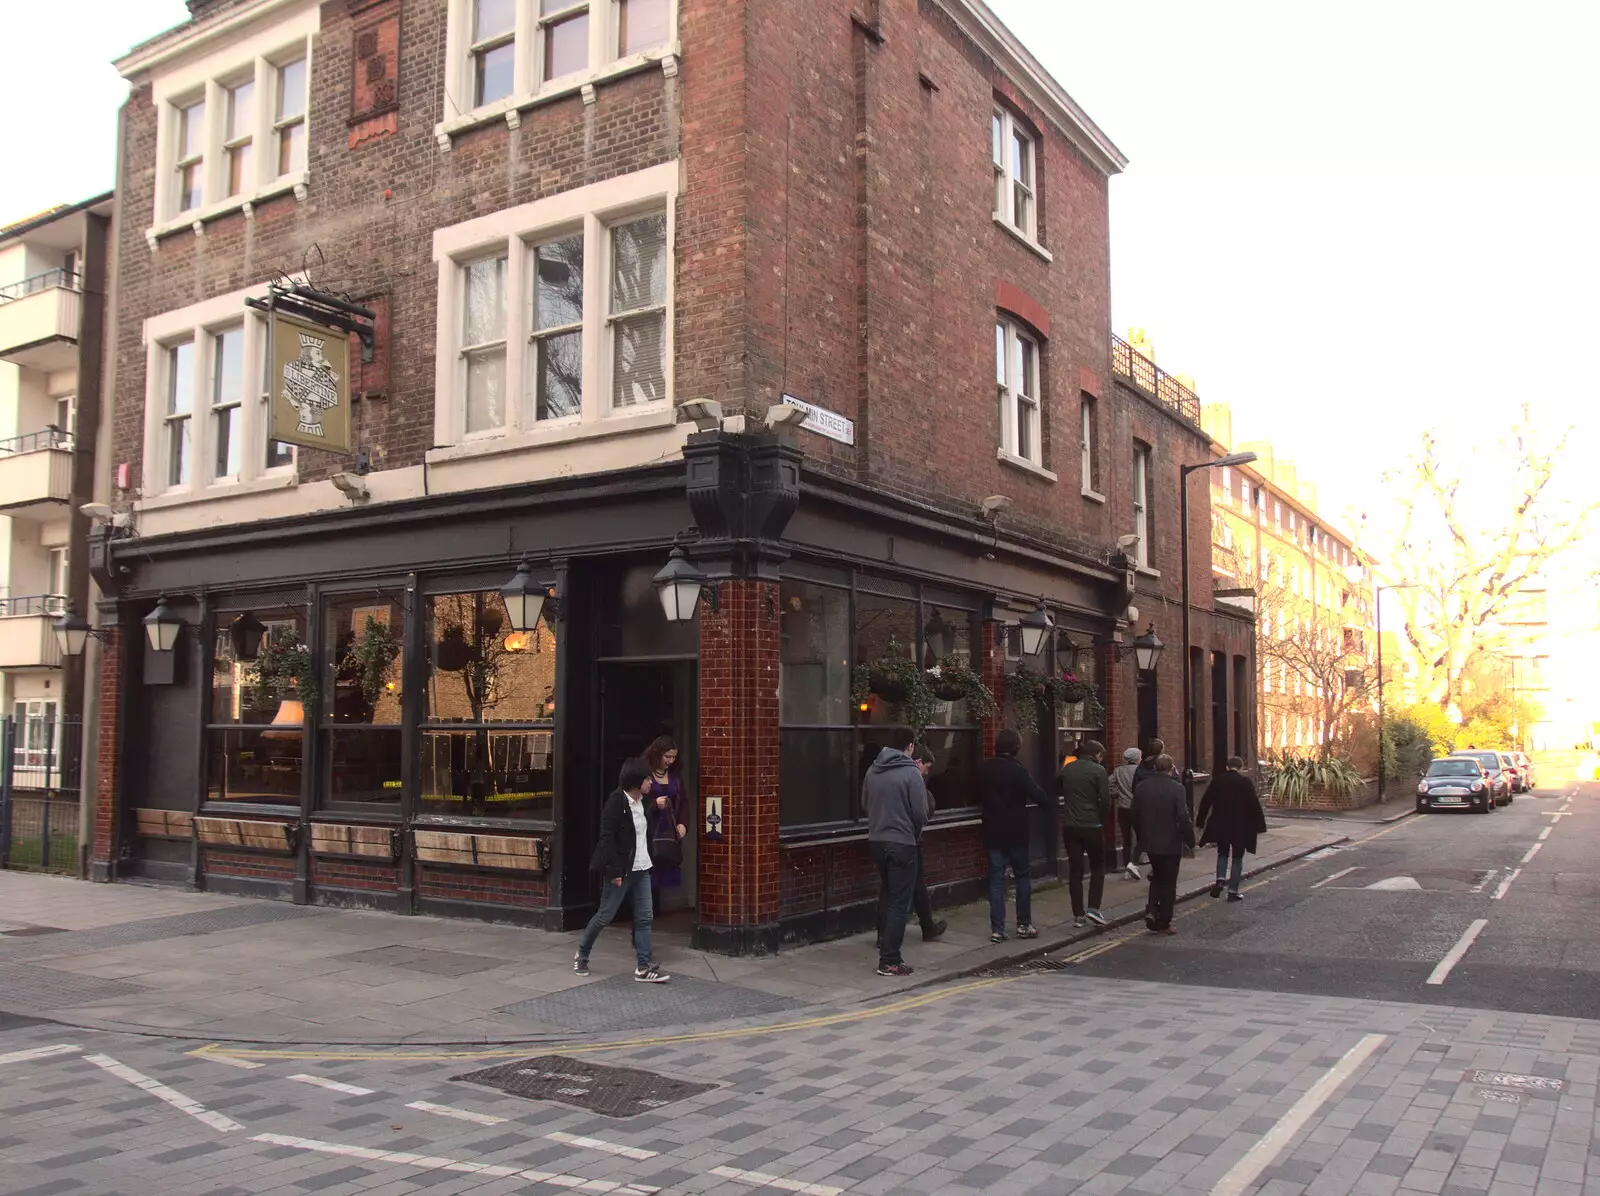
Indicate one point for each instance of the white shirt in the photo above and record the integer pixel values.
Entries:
(641, 833)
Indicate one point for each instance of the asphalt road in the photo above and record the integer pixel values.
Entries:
(1377, 918)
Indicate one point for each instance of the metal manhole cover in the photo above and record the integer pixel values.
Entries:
(612, 1091)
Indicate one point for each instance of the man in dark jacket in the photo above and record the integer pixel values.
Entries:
(622, 858)
(1005, 787)
(896, 802)
(1085, 805)
(1147, 765)
(1231, 814)
(1161, 816)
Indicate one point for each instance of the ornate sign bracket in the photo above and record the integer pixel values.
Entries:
(320, 307)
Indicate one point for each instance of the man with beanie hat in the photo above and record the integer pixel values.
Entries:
(1122, 790)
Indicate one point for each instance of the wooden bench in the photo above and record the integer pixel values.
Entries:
(164, 824)
(358, 842)
(504, 853)
(246, 834)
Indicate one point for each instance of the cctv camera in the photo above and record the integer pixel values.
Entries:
(1127, 542)
(994, 504)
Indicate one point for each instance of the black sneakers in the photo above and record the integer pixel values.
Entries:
(935, 932)
(651, 974)
(580, 966)
(894, 969)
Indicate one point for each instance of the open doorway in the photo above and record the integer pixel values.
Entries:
(638, 702)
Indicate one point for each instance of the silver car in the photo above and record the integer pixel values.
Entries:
(1526, 764)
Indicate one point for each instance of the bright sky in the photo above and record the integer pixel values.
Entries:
(1349, 221)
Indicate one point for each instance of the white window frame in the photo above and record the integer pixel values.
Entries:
(58, 562)
(257, 55)
(1021, 413)
(1141, 505)
(1227, 486)
(1005, 180)
(281, 124)
(214, 407)
(529, 87)
(243, 138)
(201, 323)
(1088, 416)
(519, 232)
(186, 156)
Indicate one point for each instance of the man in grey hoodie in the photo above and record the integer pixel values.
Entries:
(896, 803)
(1122, 790)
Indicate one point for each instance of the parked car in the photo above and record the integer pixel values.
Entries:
(1525, 762)
(1456, 783)
(1496, 765)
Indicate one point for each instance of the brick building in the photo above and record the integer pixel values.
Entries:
(615, 250)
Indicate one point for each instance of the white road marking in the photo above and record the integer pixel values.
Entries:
(1487, 877)
(1545, 834)
(1335, 876)
(627, 1152)
(458, 1114)
(1453, 956)
(1506, 883)
(425, 1162)
(228, 1060)
(1396, 884)
(1532, 851)
(760, 1179)
(1557, 814)
(161, 1092)
(1259, 1157)
(39, 1053)
(333, 1085)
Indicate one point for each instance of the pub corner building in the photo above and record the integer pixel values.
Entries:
(591, 450)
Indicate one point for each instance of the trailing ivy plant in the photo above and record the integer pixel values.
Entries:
(1025, 692)
(897, 679)
(369, 658)
(285, 661)
(954, 681)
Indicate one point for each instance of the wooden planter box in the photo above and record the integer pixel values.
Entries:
(499, 853)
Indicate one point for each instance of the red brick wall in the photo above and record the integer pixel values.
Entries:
(246, 865)
(529, 892)
(348, 874)
(739, 878)
(107, 762)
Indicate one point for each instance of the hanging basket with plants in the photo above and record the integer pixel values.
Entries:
(1025, 692)
(285, 663)
(452, 653)
(1069, 688)
(954, 681)
(895, 678)
(370, 658)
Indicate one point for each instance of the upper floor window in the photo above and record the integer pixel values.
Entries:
(558, 311)
(1015, 173)
(508, 50)
(236, 135)
(1142, 522)
(1017, 380)
(1088, 429)
(1227, 485)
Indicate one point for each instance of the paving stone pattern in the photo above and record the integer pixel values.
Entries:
(149, 930)
(620, 1002)
(26, 986)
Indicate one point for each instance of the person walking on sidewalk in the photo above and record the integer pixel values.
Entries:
(1122, 790)
(1147, 766)
(1232, 817)
(896, 804)
(622, 858)
(1085, 804)
(921, 904)
(1005, 787)
(1161, 820)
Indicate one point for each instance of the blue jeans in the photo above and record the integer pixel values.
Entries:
(635, 887)
(1017, 857)
(1223, 874)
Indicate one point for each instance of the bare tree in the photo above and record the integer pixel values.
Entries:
(1474, 531)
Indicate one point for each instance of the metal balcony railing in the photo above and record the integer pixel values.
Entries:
(51, 438)
(39, 282)
(34, 604)
(1154, 381)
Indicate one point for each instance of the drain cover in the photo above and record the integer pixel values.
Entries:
(612, 1091)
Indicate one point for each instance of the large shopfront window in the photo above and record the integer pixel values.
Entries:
(828, 739)
(488, 735)
(363, 662)
(1079, 720)
(255, 737)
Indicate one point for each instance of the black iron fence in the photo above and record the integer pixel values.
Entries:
(1153, 380)
(41, 759)
(39, 282)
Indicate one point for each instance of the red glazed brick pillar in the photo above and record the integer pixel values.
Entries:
(103, 856)
(739, 879)
(1112, 684)
(993, 669)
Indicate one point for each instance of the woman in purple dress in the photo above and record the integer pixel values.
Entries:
(667, 812)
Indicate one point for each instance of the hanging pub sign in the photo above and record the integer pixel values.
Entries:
(310, 379)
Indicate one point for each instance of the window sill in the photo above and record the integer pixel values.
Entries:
(538, 826)
(1147, 571)
(218, 490)
(562, 433)
(511, 108)
(297, 183)
(1024, 239)
(1024, 465)
(1093, 495)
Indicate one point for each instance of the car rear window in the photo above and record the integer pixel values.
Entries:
(1452, 768)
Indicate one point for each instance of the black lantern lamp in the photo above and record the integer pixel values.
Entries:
(245, 635)
(1036, 626)
(936, 635)
(680, 586)
(162, 626)
(527, 599)
(72, 632)
(1146, 650)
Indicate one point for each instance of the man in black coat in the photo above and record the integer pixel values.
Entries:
(1161, 815)
(622, 858)
(1231, 814)
(1005, 787)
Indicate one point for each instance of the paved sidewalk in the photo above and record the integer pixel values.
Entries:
(198, 965)
(1401, 803)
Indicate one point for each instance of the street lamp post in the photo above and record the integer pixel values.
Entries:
(1183, 553)
(1377, 598)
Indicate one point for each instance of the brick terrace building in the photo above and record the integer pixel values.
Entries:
(574, 221)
